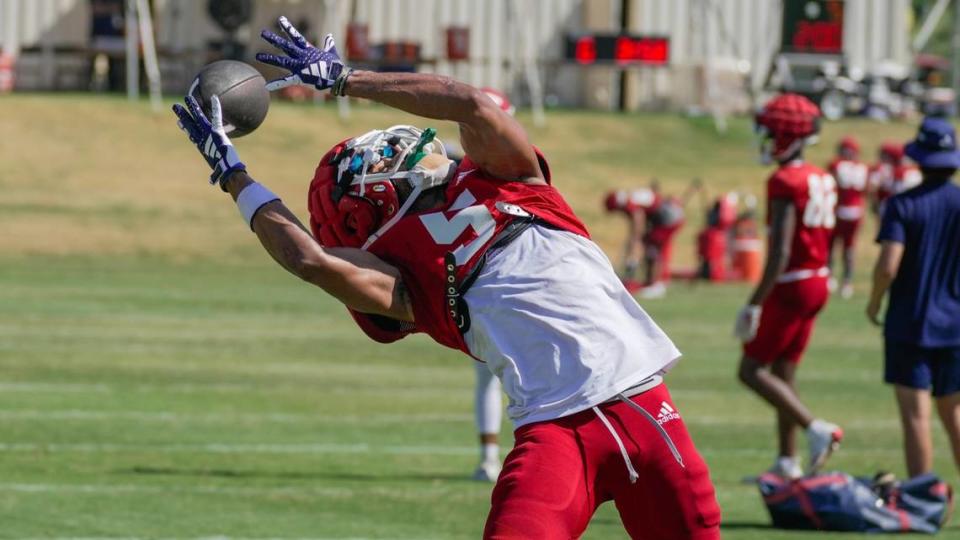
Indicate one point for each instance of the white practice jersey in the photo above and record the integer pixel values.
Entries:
(554, 323)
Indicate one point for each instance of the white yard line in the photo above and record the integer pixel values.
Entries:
(327, 448)
(760, 420)
(181, 417)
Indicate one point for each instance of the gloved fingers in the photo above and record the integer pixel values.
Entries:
(329, 45)
(294, 34)
(216, 114)
(284, 62)
(277, 84)
(187, 123)
(280, 42)
(197, 112)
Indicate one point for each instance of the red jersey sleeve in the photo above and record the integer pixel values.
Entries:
(780, 187)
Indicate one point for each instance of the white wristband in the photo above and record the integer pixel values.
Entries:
(252, 198)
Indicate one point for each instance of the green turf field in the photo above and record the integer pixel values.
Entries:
(161, 377)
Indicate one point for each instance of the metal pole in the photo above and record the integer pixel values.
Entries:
(150, 54)
(624, 28)
(133, 56)
(11, 18)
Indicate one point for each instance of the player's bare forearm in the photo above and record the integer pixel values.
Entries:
(492, 138)
(884, 272)
(359, 279)
(422, 94)
(782, 224)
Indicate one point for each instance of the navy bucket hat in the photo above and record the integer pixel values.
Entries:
(935, 146)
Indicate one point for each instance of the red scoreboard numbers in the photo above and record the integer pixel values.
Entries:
(623, 49)
(812, 26)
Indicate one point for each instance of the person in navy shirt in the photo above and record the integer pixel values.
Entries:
(919, 264)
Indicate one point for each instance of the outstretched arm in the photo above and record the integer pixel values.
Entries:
(359, 279)
(493, 139)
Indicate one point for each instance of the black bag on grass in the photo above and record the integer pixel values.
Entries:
(839, 502)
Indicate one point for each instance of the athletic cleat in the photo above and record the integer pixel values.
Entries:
(787, 467)
(487, 471)
(657, 290)
(824, 439)
(846, 291)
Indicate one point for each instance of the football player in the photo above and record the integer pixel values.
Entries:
(891, 175)
(653, 221)
(486, 258)
(487, 404)
(851, 176)
(778, 319)
(634, 205)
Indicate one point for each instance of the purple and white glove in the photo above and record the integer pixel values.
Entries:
(321, 68)
(210, 138)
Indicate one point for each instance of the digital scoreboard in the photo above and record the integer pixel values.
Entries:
(812, 26)
(620, 49)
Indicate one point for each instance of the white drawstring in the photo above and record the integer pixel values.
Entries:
(623, 450)
(663, 432)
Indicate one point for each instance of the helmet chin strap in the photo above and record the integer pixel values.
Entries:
(421, 179)
(396, 217)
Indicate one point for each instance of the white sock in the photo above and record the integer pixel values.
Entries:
(491, 452)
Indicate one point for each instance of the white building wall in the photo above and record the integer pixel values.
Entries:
(713, 33)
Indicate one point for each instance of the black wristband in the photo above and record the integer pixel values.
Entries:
(340, 85)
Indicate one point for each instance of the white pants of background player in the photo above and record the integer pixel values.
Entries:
(488, 411)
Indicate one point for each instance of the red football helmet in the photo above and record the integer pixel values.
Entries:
(848, 147)
(891, 151)
(500, 99)
(350, 205)
(785, 124)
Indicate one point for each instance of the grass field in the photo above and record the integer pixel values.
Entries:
(160, 377)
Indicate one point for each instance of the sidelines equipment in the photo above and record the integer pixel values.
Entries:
(839, 502)
(785, 125)
(321, 68)
(210, 138)
(244, 101)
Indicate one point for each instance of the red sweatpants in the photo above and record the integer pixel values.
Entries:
(560, 471)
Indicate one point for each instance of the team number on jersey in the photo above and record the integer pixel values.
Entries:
(852, 175)
(823, 199)
(446, 231)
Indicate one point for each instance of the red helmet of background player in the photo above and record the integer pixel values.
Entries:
(892, 152)
(848, 147)
(500, 99)
(785, 124)
(354, 194)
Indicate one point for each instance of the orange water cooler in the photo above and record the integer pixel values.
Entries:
(747, 252)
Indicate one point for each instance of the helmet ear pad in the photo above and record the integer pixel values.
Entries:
(360, 216)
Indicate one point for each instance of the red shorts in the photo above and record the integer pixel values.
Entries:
(560, 471)
(786, 321)
(846, 230)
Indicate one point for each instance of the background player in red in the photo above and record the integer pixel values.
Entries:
(653, 221)
(486, 258)
(851, 176)
(891, 175)
(778, 319)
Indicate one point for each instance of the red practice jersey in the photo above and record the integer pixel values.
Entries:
(812, 191)
(478, 208)
(632, 200)
(851, 177)
(890, 180)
